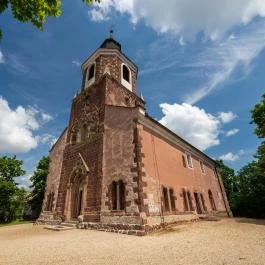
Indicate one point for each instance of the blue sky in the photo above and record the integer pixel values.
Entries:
(201, 70)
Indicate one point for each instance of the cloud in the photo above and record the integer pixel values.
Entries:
(97, 15)
(46, 117)
(209, 66)
(185, 18)
(17, 127)
(232, 132)
(192, 123)
(24, 181)
(220, 60)
(226, 117)
(236, 37)
(102, 10)
(2, 58)
(48, 139)
(54, 140)
(229, 157)
(16, 63)
(76, 62)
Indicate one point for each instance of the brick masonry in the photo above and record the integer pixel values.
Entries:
(120, 143)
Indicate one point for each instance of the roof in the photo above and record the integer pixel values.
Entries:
(110, 43)
(58, 139)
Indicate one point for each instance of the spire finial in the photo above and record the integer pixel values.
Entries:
(111, 31)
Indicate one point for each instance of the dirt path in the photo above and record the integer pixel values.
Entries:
(229, 241)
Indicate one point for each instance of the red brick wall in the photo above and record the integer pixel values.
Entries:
(88, 107)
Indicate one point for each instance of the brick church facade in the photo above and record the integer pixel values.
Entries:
(116, 166)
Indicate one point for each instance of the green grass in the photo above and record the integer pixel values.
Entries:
(16, 222)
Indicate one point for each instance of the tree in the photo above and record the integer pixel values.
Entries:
(12, 198)
(34, 11)
(249, 201)
(258, 117)
(10, 168)
(229, 178)
(7, 191)
(38, 184)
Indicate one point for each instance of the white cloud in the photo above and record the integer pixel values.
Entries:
(229, 157)
(76, 62)
(226, 117)
(192, 123)
(46, 117)
(46, 138)
(232, 132)
(24, 181)
(54, 140)
(186, 18)
(97, 15)
(221, 59)
(242, 152)
(101, 11)
(17, 127)
(235, 41)
(2, 58)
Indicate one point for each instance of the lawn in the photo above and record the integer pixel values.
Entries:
(16, 222)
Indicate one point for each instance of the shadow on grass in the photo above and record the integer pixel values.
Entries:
(250, 221)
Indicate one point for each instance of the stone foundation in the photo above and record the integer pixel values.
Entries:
(48, 218)
(153, 223)
(155, 220)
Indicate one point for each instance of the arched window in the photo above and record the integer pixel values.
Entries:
(185, 200)
(73, 138)
(172, 200)
(211, 200)
(126, 76)
(190, 201)
(91, 72)
(126, 73)
(82, 134)
(118, 195)
(203, 203)
(165, 197)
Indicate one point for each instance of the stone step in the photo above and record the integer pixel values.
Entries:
(209, 218)
(58, 227)
(69, 224)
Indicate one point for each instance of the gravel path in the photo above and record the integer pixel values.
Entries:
(229, 241)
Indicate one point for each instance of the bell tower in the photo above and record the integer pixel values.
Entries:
(99, 147)
(110, 59)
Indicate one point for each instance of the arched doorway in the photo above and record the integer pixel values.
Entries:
(78, 194)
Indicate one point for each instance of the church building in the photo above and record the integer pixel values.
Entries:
(116, 168)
